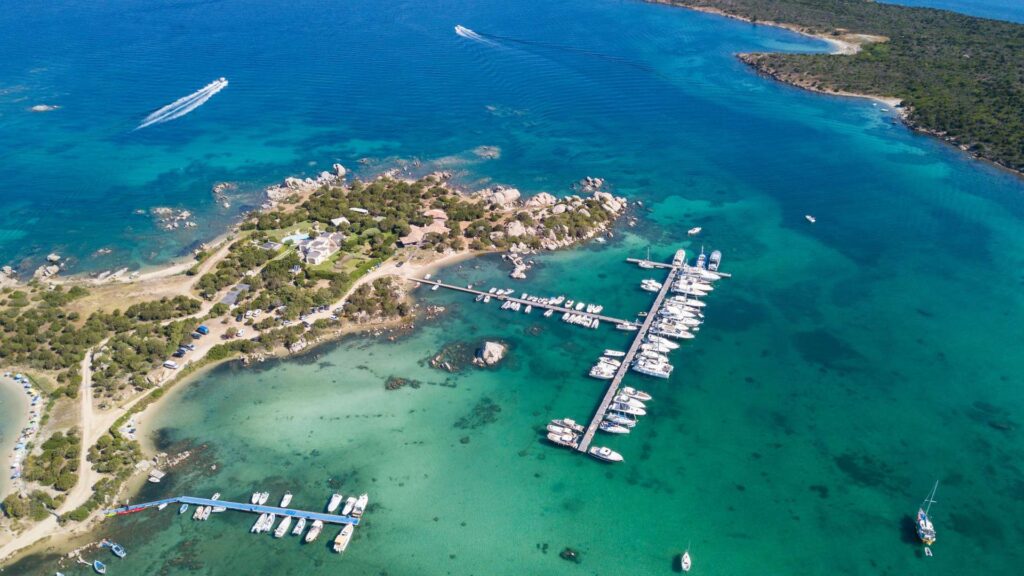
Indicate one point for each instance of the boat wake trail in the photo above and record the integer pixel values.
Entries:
(470, 35)
(183, 106)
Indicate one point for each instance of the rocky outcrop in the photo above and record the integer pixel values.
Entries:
(490, 354)
(293, 185)
(514, 229)
(541, 200)
(502, 196)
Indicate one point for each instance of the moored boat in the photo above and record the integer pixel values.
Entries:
(569, 423)
(255, 499)
(349, 504)
(286, 499)
(613, 428)
(614, 353)
(318, 525)
(333, 503)
(563, 439)
(342, 539)
(264, 496)
(605, 453)
(638, 394)
(99, 567)
(300, 525)
(183, 508)
(282, 528)
(360, 505)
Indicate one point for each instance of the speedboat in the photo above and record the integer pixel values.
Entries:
(627, 409)
(693, 231)
(255, 498)
(264, 496)
(162, 506)
(342, 539)
(629, 401)
(258, 525)
(282, 528)
(349, 504)
(569, 423)
(680, 258)
(613, 428)
(360, 505)
(99, 567)
(286, 499)
(299, 527)
(628, 327)
(634, 393)
(663, 341)
(318, 525)
(620, 419)
(684, 562)
(614, 353)
(332, 505)
(559, 430)
(714, 260)
(183, 508)
(810, 218)
(606, 454)
(562, 439)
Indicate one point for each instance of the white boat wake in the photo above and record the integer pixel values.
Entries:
(183, 106)
(470, 35)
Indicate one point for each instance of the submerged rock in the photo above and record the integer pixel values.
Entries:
(490, 354)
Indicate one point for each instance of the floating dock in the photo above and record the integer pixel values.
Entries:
(511, 298)
(627, 361)
(240, 507)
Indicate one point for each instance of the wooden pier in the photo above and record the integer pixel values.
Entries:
(511, 298)
(627, 361)
(240, 507)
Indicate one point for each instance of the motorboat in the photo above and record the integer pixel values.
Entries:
(264, 496)
(349, 505)
(638, 394)
(629, 401)
(282, 528)
(714, 260)
(563, 439)
(559, 430)
(621, 419)
(680, 258)
(257, 526)
(663, 341)
(99, 567)
(569, 423)
(318, 525)
(342, 539)
(694, 231)
(255, 498)
(684, 562)
(605, 453)
(286, 499)
(360, 505)
(614, 353)
(183, 509)
(810, 218)
(627, 409)
(334, 502)
(612, 428)
(299, 527)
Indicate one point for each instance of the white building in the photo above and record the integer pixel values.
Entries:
(318, 250)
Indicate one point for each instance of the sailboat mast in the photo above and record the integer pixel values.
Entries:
(931, 498)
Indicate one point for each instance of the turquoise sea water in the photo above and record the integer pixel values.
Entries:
(844, 368)
(1012, 10)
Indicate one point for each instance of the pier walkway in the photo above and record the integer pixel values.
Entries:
(511, 298)
(239, 506)
(654, 264)
(627, 361)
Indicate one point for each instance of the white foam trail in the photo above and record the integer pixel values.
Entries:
(184, 105)
(469, 34)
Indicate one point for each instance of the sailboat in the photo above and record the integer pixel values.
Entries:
(925, 529)
(647, 263)
(684, 561)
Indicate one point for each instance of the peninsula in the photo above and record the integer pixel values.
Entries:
(958, 77)
(324, 257)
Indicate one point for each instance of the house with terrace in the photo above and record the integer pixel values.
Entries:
(317, 250)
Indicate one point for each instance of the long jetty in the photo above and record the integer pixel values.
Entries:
(239, 506)
(627, 361)
(511, 298)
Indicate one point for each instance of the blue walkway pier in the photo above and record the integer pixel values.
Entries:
(240, 507)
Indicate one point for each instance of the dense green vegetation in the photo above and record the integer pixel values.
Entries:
(164, 309)
(961, 77)
(57, 465)
(36, 506)
(116, 457)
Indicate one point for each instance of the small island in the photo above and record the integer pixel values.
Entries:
(958, 77)
(323, 258)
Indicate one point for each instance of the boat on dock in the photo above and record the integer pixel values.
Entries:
(627, 327)
(342, 539)
(679, 259)
(286, 499)
(638, 394)
(569, 423)
(299, 527)
(334, 502)
(255, 499)
(925, 528)
(318, 525)
(282, 528)
(602, 371)
(257, 526)
(614, 353)
(183, 508)
(99, 567)
(264, 496)
(714, 260)
(605, 453)
(629, 401)
(627, 409)
(612, 428)
(360, 505)
(620, 419)
(349, 504)
(568, 440)
(559, 430)
(549, 312)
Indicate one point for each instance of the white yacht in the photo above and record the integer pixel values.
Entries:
(299, 527)
(629, 401)
(282, 528)
(335, 500)
(628, 327)
(606, 454)
(658, 370)
(528, 309)
(602, 371)
(694, 231)
(559, 430)
(342, 539)
(563, 439)
(549, 312)
(257, 526)
(680, 258)
(638, 394)
(264, 496)
(286, 499)
(255, 498)
(318, 525)
(569, 423)
(684, 562)
(714, 260)
(612, 428)
(360, 505)
(627, 409)
(620, 419)
(810, 218)
(349, 504)
(663, 341)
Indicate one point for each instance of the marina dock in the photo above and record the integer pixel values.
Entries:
(614, 383)
(510, 298)
(678, 272)
(240, 507)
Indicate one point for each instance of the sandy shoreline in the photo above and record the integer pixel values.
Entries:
(22, 418)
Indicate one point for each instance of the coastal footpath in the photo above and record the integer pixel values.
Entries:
(957, 77)
(323, 258)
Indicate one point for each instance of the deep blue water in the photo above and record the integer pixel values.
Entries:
(1012, 10)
